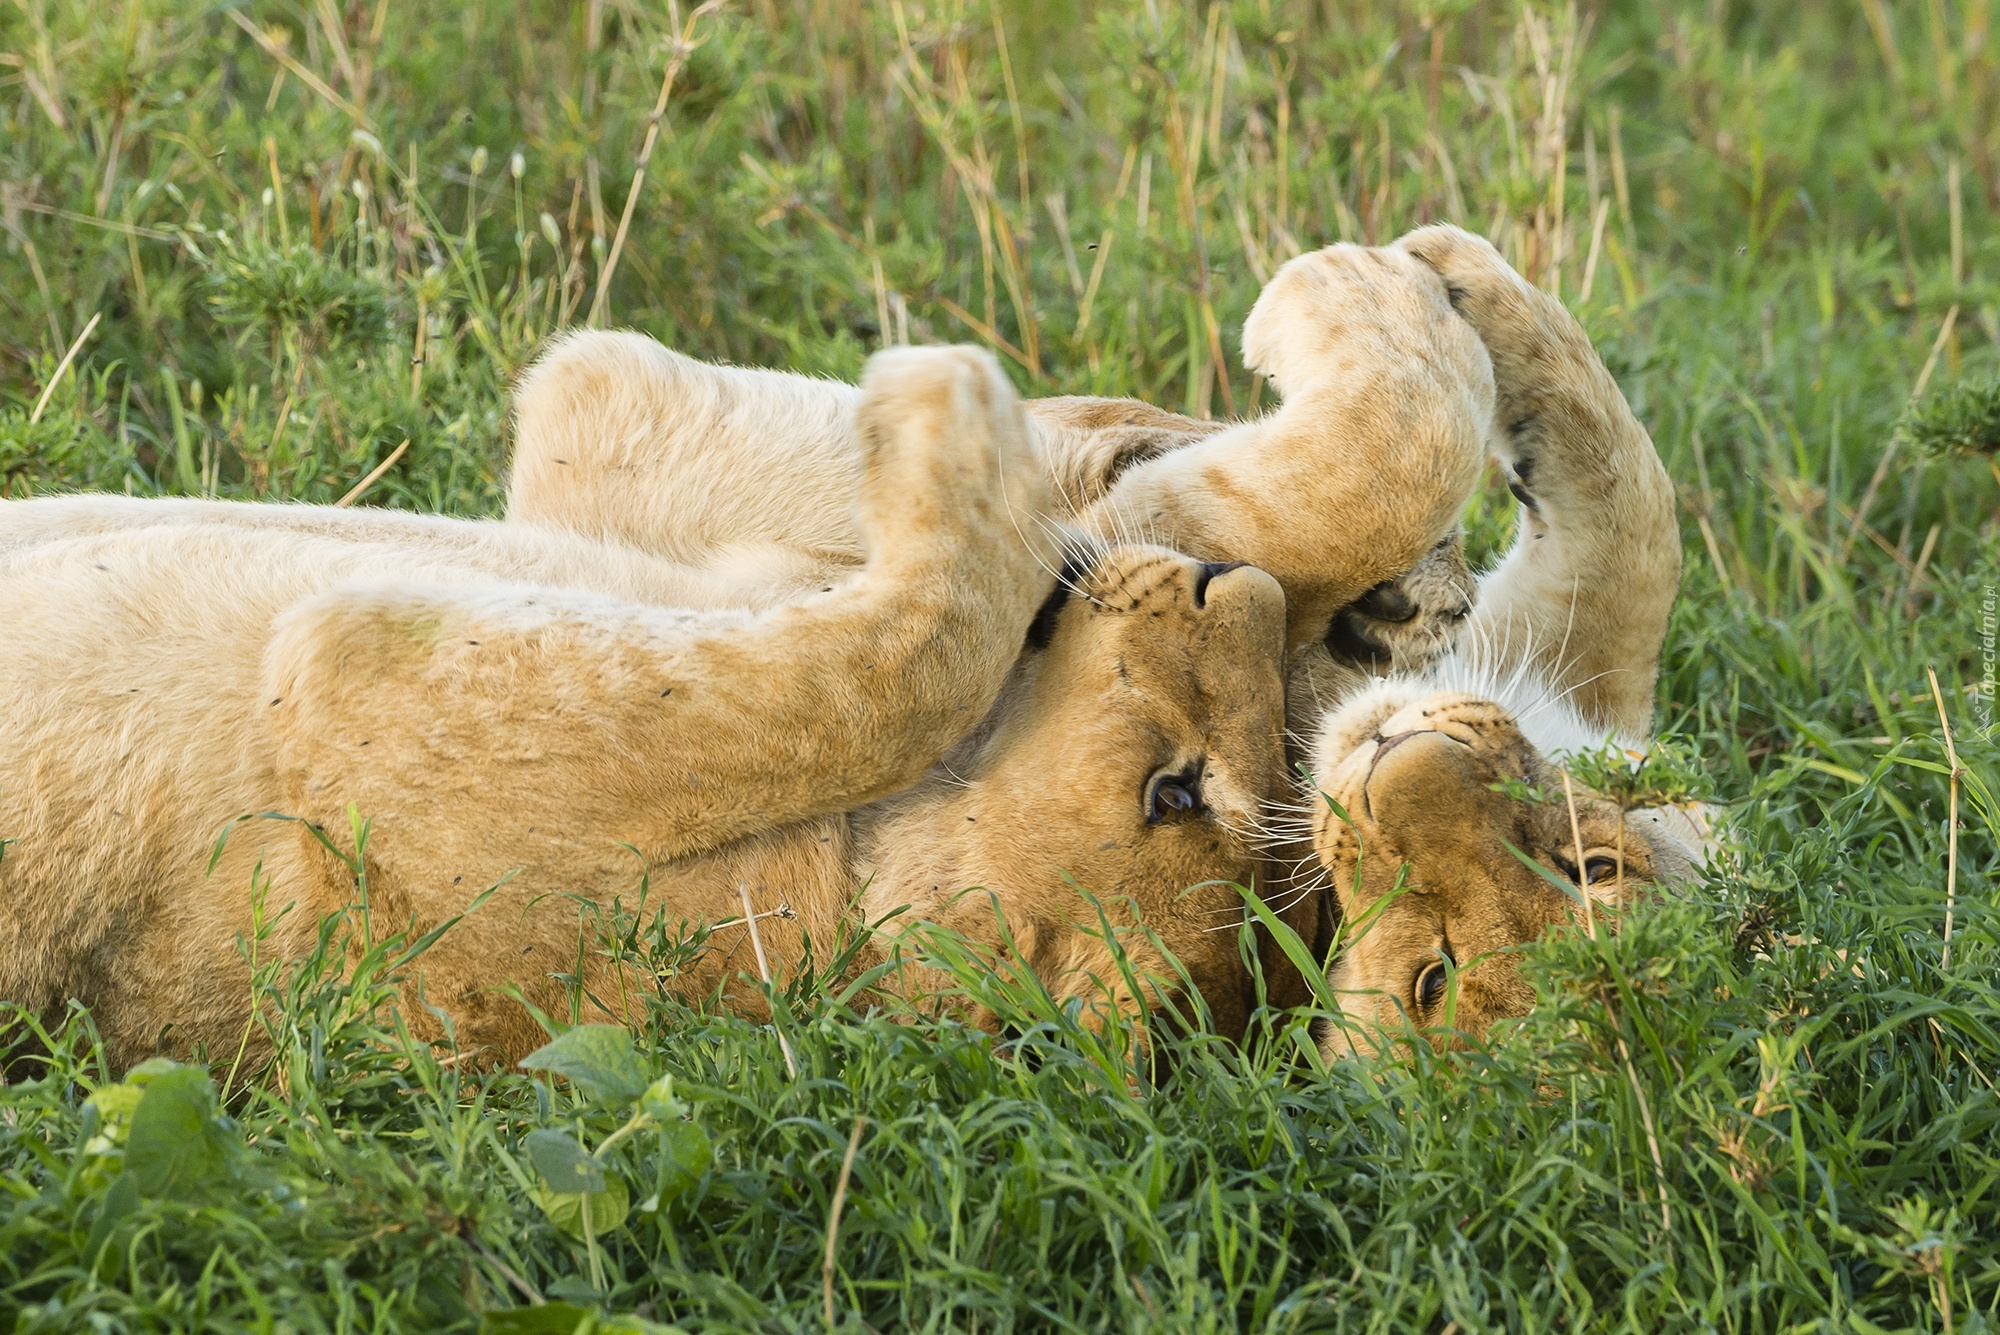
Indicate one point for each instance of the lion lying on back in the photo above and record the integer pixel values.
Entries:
(527, 706)
(619, 437)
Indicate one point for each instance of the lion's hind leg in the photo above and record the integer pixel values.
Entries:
(620, 438)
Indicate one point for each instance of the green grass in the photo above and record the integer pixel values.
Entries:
(1768, 1107)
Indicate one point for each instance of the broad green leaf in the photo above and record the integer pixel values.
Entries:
(119, 1202)
(659, 1101)
(176, 1144)
(598, 1059)
(563, 1164)
(116, 1102)
(608, 1207)
(113, 1106)
(548, 1319)
(685, 1153)
(144, 1072)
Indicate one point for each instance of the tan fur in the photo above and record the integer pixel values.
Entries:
(1348, 492)
(1356, 476)
(1571, 622)
(523, 705)
(1432, 772)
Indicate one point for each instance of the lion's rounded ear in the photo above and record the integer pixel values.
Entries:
(1682, 837)
(1089, 464)
(1115, 449)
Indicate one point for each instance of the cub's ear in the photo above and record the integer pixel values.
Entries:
(1119, 448)
(1089, 443)
(1682, 836)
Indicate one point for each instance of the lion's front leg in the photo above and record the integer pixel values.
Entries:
(524, 715)
(1363, 469)
(1584, 595)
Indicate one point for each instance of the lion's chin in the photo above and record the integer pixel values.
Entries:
(1350, 738)
(1344, 743)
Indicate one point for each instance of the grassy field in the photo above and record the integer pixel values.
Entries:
(250, 249)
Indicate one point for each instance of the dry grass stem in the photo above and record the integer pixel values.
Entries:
(764, 971)
(355, 492)
(62, 367)
(833, 1216)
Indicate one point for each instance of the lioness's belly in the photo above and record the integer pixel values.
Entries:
(127, 742)
(132, 737)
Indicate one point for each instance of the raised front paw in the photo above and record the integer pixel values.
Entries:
(949, 458)
(1405, 624)
(1552, 392)
(1346, 312)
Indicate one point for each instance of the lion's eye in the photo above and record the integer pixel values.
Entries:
(1172, 795)
(1431, 982)
(1598, 869)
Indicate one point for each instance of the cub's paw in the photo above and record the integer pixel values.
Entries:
(1350, 312)
(948, 454)
(1553, 395)
(1405, 624)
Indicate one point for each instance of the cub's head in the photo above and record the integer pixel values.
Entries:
(1131, 756)
(1445, 794)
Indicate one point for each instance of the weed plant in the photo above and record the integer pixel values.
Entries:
(251, 248)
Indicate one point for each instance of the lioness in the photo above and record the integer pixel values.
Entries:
(617, 436)
(525, 705)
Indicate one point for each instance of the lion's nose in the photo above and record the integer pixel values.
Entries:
(1209, 570)
(1387, 602)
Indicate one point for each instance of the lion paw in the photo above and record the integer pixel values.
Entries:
(948, 455)
(1342, 311)
(1405, 624)
(1553, 396)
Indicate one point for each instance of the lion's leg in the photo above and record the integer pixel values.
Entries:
(1583, 596)
(619, 438)
(1387, 403)
(677, 731)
